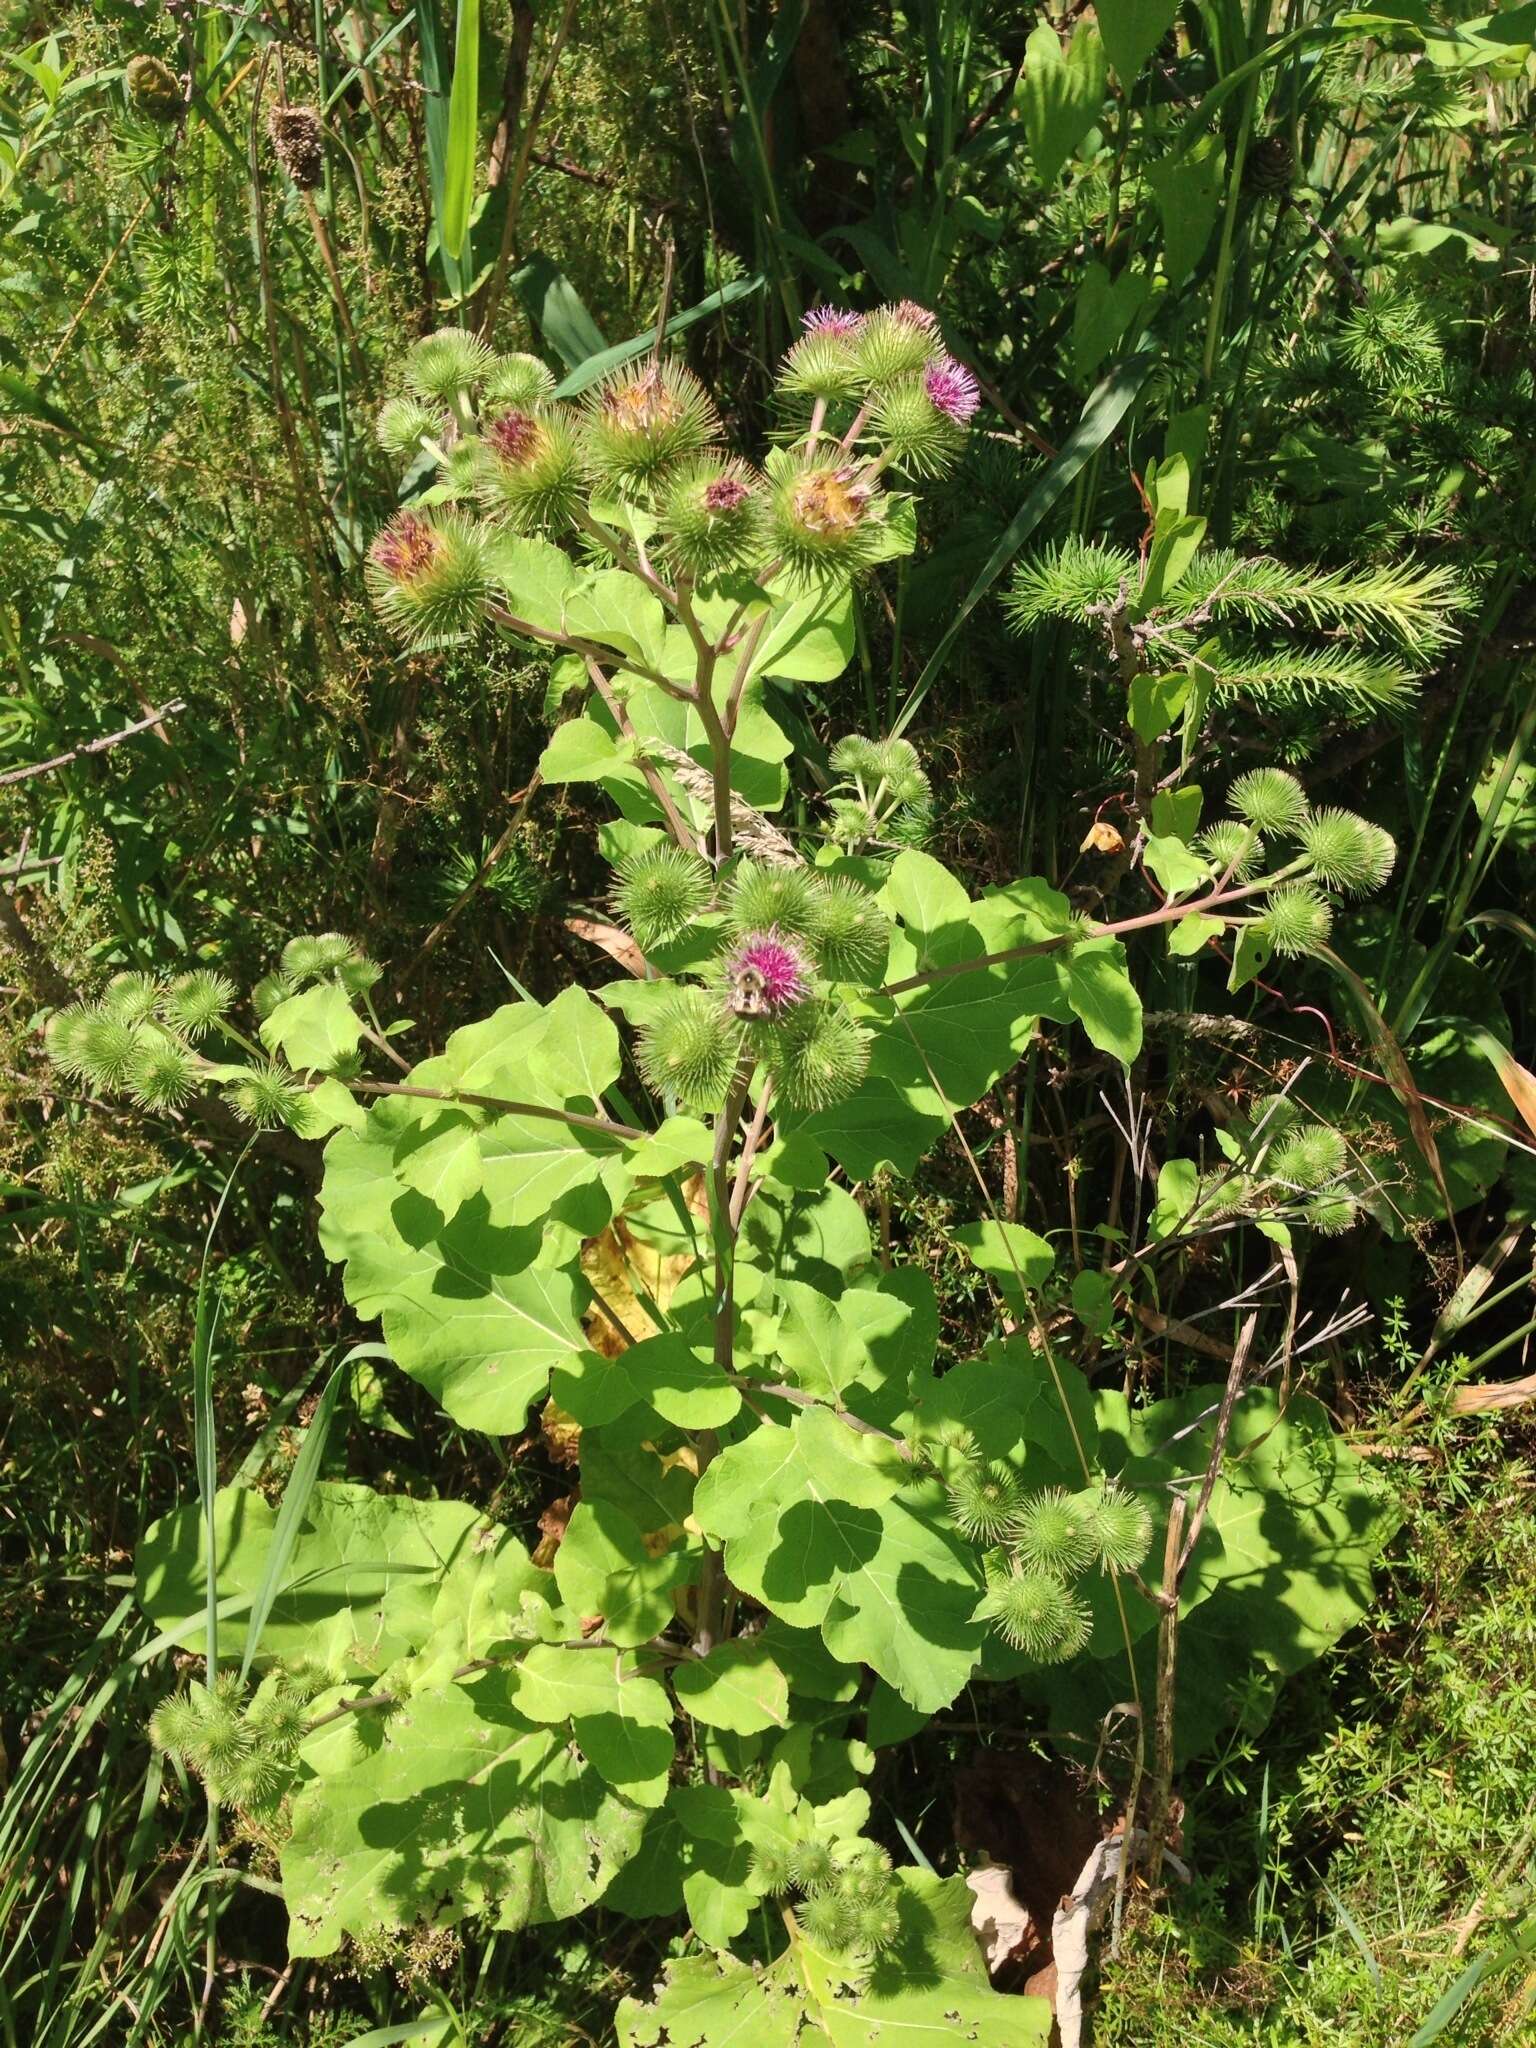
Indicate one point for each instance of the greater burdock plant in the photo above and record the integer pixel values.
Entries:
(787, 1490)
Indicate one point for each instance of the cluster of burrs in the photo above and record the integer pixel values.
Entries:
(1285, 1164)
(243, 1750)
(640, 456)
(1335, 852)
(785, 934)
(1038, 1545)
(145, 1036)
(882, 798)
(849, 1901)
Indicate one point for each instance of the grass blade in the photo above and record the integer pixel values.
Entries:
(1351, 1927)
(436, 79)
(295, 1505)
(625, 351)
(1451, 2003)
(555, 307)
(463, 117)
(1400, 1077)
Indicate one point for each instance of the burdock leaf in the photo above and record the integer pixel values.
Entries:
(824, 1481)
(465, 1808)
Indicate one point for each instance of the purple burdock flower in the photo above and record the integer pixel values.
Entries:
(515, 437)
(766, 976)
(911, 314)
(407, 548)
(952, 389)
(725, 494)
(834, 322)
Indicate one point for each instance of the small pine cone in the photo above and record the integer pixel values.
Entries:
(1269, 167)
(296, 143)
(153, 88)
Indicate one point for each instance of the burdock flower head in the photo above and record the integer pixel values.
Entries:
(911, 314)
(835, 321)
(638, 421)
(725, 494)
(711, 514)
(529, 467)
(952, 388)
(824, 362)
(898, 341)
(922, 419)
(824, 518)
(514, 437)
(408, 548)
(427, 575)
(830, 501)
(766, 975)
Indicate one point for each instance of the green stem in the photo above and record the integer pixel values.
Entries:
(1171, 913)
(711, 1607)
(502, 1107)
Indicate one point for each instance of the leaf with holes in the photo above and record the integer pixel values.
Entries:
(466, 1809)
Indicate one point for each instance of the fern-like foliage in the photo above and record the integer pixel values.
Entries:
(1408, 604)
(1306, 675)
(1070, 581)
(1355, 639)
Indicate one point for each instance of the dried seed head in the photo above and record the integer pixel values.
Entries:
(298, 144)
(828, 502)
(639, 421)
(725, 494)
(824, 519)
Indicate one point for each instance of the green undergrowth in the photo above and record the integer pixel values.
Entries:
(1380, 1846)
